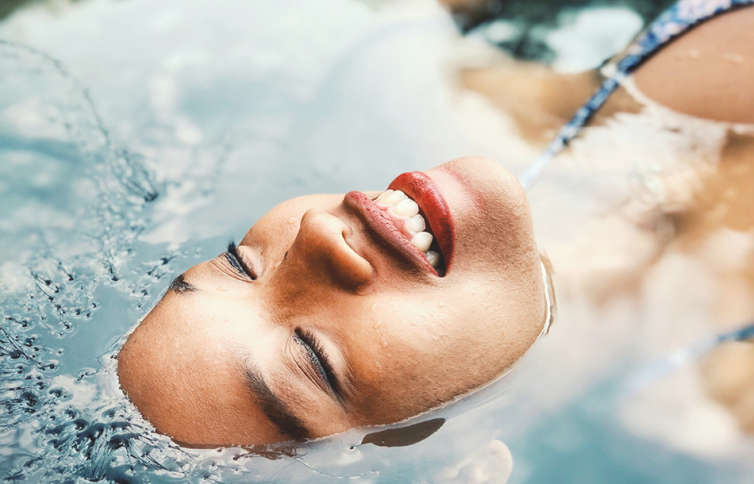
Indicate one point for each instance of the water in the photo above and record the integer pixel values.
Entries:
(136, 139)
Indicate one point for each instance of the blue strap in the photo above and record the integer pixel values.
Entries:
(660, 368)
(674, 22)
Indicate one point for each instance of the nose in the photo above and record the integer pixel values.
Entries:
(321, 253)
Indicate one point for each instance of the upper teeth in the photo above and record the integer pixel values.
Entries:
(405, 214)
(416, 223)
(406, 208)
(422, 241)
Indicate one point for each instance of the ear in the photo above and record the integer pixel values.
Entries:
(403, 436)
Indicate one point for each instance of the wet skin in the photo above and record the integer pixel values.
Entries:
(330, 322)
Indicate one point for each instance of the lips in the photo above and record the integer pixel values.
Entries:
(433, 207)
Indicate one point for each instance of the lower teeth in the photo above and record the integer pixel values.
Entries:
(433, 258)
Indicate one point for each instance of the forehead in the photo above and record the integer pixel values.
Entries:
(186, 378)
(188, 330)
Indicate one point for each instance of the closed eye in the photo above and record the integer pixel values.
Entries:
(320, 361)
(237, 262)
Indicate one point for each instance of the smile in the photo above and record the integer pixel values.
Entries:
(404, 212)
(412, 217)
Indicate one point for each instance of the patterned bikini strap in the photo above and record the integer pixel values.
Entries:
(674, 22)
(680, 358)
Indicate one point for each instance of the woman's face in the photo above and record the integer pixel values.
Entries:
(328, 317)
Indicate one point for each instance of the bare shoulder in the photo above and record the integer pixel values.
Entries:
(708, 72)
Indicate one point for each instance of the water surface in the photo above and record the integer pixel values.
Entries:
(137, 138)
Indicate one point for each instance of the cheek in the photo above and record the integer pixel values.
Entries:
(272, 235)
(420, 355)
(488, 322)
(500, 246)
(403, 329)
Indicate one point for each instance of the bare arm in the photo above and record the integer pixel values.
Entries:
(708, 72)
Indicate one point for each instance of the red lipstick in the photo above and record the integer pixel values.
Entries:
(379, 225)
(432, 206)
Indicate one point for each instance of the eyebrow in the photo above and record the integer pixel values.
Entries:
(275, 409)
(180, 285)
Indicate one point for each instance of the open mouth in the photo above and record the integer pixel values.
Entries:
(411, 216)
(404, 212)
(434, 209)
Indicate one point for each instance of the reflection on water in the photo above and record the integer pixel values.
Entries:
(127, 158)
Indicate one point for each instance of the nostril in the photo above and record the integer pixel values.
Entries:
(325, 244)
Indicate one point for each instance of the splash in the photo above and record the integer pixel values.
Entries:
(54, 418)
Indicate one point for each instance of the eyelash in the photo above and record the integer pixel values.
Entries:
(319, 356)
(316, 352)
(236, 261)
